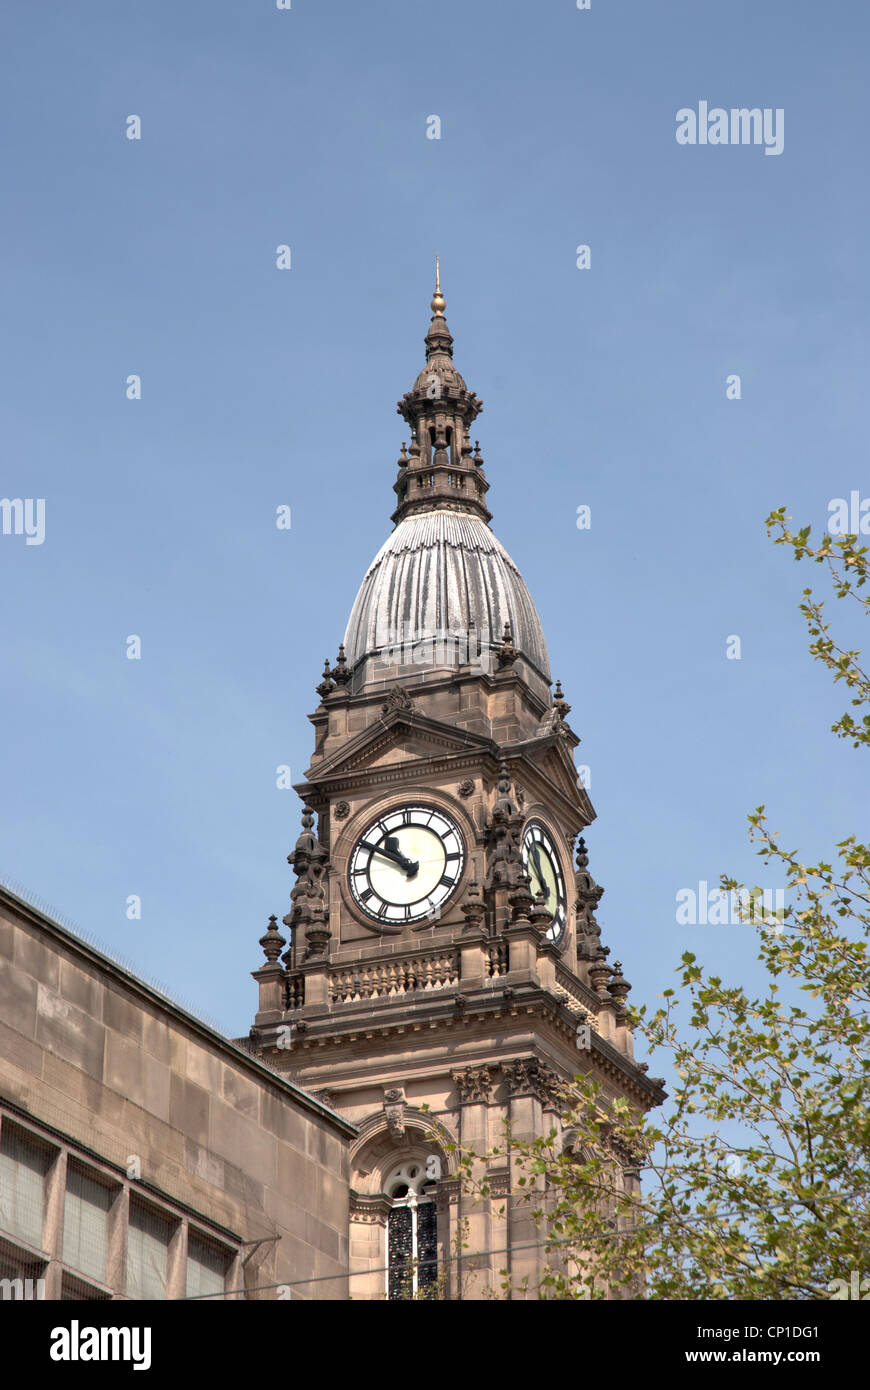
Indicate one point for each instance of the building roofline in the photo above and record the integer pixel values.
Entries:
(81, 947)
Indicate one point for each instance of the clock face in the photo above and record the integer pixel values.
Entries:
(405, 865)
(542, 866)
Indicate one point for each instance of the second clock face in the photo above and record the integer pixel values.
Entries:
(545, 875)
(406, 864)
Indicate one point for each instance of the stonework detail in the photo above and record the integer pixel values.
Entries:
(398, 699)
(394, 1110)
(434, 988)
(309, 915)
(530, 1077)
(474, 1085)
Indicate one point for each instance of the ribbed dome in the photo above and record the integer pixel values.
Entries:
(438, 572)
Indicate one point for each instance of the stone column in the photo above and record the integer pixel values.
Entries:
(472, 969)
(270, 977)
(474, 1087)
(529, 1086)
(53, 1225)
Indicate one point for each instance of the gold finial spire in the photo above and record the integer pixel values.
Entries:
(438, 300)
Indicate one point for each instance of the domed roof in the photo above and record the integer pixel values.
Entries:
(439, 572)
(442, 366)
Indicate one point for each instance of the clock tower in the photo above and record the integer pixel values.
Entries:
(444, 969)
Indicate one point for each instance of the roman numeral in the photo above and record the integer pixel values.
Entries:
(364, 897)
(446, 880)
(454, 855)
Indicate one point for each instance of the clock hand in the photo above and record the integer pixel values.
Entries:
(533, 851)
(388, 852)
(391, 845)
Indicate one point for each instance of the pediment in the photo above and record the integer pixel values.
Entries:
(551, 757)
(398, 737)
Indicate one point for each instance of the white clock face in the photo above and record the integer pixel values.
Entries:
(405, 866)
(545, 875)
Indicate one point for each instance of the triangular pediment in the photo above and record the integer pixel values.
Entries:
(400, 736)
(550, 757)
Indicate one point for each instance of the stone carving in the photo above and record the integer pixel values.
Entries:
(342, 810)
(309, 914)
(466, 788)
(553, 721)
(394, 1109)
(530, 1077)
(398, 698)
(474, 907)
(474, 1085)
(326, 685)
(504, 836)
(589, 895)
(507, 653)
(272, 941)
(341, 672)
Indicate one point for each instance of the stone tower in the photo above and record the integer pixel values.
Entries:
(445, 967)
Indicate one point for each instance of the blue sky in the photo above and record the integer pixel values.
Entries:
(262, 387)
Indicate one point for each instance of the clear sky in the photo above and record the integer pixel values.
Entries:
(603, 387)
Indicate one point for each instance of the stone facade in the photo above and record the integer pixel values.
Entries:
(436, 1022)
(196, 1138)
(444, 972)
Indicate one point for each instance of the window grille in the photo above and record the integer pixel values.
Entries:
(86, 1223)
(147, 1253)
(207, 1266)
(23, 1169)
(412, 1232)
(74, 1290)
(21, 1277)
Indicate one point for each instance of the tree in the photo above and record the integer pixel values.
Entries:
(755, 1181)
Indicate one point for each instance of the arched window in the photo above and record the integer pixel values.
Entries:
(412, 1228)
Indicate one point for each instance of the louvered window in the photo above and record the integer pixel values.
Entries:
(147, 1253)
(207, 1266)
(86, 1224)
(23, 1169)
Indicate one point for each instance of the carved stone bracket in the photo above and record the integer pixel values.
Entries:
(530, 1077)
(474, 1085)
(448, 1192)
(398, 698)
(499, 1183)
(371, 1210)
(394, 1109)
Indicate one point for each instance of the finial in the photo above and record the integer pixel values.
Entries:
(272, 941)
(341, 672)
(438, 300)
(326, 685)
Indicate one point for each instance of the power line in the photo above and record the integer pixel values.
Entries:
(512, 1249)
